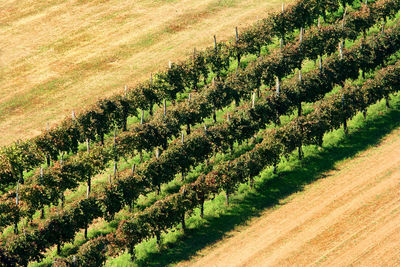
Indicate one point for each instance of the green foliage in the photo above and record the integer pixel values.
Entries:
(98, 120)
(9, 212)
(199, 145)
(166, 213)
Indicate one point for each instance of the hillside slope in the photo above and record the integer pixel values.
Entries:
(62, 55)
(350, 218)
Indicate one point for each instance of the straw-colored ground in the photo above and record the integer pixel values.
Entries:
(350, 218)
(62, 55)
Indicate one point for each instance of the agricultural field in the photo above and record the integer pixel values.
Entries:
(351, 217)
(57, 56)
(279, 117)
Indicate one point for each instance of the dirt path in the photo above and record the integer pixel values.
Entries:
(350, 218)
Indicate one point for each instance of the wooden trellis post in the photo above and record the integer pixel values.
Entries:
(151, 85)
(205, 133)
(62, 193)
(320, 63)
(133, 173)
(202, 199)
(183, 141)
(48, 159)
(278, 86)
(344, 121)
(188, 124)
(115, 171)
(299, 111)
(183, 214)
(17, 203)
(253, 100)
(236, 35)
(236, 41)
(278, 89)
(299, 108)
(89, 184)
(282, 40)
(301, 35)
(42, 211)
(158, 157)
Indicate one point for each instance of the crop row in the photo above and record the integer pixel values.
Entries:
(328, 114)
(47, 188)
(374, 51)
(110, 113)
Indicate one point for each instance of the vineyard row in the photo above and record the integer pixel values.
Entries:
(56, 180)
(108, 113)
(31, 247)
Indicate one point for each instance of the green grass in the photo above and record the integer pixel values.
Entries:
(214, 209)
(269, 189)
(151, 198)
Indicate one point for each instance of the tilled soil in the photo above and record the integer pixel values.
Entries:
(349, 218)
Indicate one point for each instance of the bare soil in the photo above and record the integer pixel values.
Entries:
(349, 218)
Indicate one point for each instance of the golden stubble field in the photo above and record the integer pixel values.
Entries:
(62, 55)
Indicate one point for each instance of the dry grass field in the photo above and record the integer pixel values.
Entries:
(62, 55)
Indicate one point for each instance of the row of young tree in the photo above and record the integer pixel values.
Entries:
(107, 114)
(328, 114)
(27, 247)
(47, 187)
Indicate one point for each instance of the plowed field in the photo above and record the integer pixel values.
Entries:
(349, 218)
